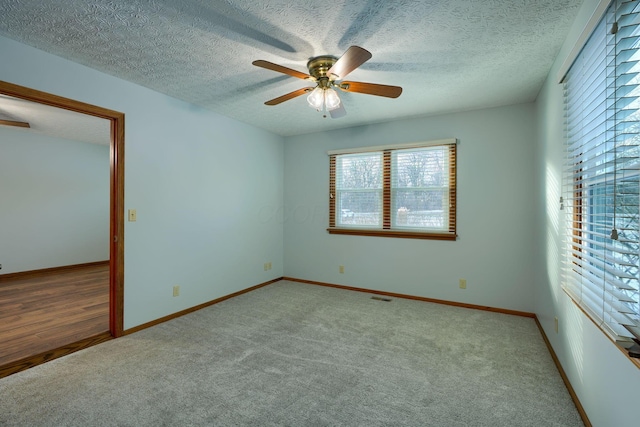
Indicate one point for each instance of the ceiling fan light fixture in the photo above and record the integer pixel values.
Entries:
(331, 99)
(323, 99)
(316, 98)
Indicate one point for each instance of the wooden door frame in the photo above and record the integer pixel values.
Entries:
(116, 203)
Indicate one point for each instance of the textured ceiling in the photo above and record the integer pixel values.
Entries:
(448, 55)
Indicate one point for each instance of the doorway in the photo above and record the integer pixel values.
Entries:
(116, 219)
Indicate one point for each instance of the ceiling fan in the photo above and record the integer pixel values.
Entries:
(328, 72)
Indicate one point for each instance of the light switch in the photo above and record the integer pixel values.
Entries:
(132, 215)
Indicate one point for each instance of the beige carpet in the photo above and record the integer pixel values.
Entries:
(291, 354)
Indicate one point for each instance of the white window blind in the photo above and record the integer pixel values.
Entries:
(601, 171)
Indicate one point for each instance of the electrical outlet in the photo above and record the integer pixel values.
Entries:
(463, 283)
(133, 215)
(556, 324)
(176, 291)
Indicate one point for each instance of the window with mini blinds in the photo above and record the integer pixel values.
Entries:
(601, 176)
(394, 191)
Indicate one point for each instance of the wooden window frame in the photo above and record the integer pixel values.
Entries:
(387, 230)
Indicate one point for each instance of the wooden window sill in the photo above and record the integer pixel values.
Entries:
(634, 360)
(393, 233)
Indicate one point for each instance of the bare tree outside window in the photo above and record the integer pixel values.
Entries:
(420, 188)
(359, 189)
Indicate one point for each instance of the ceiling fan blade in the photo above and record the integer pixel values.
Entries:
(289, 96)
(14, 123)
(338, 112)
(280, 69)
(354, 57)
(371, 89)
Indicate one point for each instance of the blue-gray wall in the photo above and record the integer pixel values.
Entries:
(495, 213)
(201, 184)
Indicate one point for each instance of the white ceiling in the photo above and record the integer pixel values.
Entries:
(448, 55)
(55, 122)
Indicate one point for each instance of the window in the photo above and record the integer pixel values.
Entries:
(394, 191)
(601, 176)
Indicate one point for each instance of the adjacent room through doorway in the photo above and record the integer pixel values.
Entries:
(61, 269)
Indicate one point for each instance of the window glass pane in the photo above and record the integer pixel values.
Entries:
(359, 190)
(426, 209)
(619, 258)
(420, 188)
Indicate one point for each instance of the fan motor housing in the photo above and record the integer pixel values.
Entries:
(319, 66)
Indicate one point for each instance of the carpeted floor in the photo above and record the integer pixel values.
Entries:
(291, 354)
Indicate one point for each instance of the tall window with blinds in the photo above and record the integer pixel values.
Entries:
(601, 176)
(394, 191)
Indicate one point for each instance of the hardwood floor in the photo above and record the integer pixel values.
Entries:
(44, 311)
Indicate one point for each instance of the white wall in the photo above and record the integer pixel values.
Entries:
(495, 213)
(54, 201)
(201, 184)
(605, 381)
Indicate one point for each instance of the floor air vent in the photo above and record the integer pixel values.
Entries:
(381, 299)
